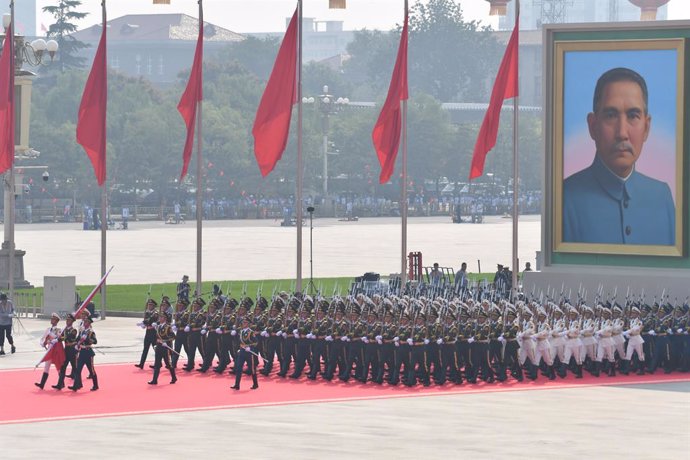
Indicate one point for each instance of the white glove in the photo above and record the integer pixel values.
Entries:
(426, 341)
(410, 341)
(265, 334)
(396, 339)
(312, 336)
(295, 332)
(219, 330)
(174, 329)
(154, 324)
(329, 338)
(233, 333)
(378, 337)
(187, 329)
(652, 332)
(203, 331)
(54, 341)
(519, 336)
(502, 339)
(669, 331)
(280, 333)
(680, 330)
(439, 341)
(285, 335)
(343, 338)
(247, 349)
(397, 344)
(141, 325)
(365, 340)
(470, 340)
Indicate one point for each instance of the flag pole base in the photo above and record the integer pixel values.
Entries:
(19, 281)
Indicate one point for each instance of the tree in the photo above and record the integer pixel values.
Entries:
(449, 57)
(62, 30)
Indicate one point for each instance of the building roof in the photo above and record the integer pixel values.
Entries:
(157, 27)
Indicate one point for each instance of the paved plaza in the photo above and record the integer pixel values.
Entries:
(612, 422)
(154, 252)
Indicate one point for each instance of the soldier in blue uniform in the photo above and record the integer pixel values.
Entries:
(196, 321)
(179, 328)
(149, 324)
(69, 337)
(87, 340)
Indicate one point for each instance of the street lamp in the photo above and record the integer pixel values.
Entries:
(328, 106)
(34, 54)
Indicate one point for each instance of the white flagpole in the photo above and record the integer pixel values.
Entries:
(300, 168)
(403, 199)
(10, 189)
(516, 176)
(104, 204)
(199, 182)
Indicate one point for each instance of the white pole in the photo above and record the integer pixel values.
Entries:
(403, 199)
(516, 176)
(199, 182)
(300, 169)
(104, 209)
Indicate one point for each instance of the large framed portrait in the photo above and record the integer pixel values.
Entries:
(617, 146)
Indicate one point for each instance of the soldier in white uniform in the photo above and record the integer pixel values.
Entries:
(55, 352)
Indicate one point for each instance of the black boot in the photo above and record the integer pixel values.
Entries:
(44, 378)
(595, 368)
(172, 374)
(154, 380)
(550, 373)
(612, 369)
(61, 381)
(640, 370)
(94, 377)
(255, 380)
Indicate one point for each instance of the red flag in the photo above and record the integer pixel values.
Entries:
(91, 127)
(7, 102)
(272, 122)
(92, 294)
(191, 97)
(386, 134)
(505, 87)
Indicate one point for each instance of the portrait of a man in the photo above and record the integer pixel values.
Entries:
(610, 201)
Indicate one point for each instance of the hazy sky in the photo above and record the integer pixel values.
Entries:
(269, 15)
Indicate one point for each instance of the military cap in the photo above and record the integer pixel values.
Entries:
(201, 302)
(151, 302)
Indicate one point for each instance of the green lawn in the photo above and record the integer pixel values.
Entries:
(132, 297)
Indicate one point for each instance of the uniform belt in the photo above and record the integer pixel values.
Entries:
(418, 344)
(511, 340)
(149, 327)
(195, 329)
(661, 335)
(483, 341)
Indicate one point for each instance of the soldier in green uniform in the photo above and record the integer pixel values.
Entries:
(69, 337)
(337, 340)
(289, 341)
(479, 349)
(355, 348)
(181, 329)
(149, 324)
(164, 341)
(418, 341)
(372, 346)
(197, 319)
(246, 354)
(271, 339)
(447, 341)
(300, 333)
(319, 349)
(387, 344)
(227, 326)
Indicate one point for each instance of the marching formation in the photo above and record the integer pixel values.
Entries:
(409, 340)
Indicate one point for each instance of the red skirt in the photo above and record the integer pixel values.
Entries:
(56, 355)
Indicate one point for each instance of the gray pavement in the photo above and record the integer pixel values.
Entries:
(153, 252)
(613, 422)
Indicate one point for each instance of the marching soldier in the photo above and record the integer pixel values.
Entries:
(289, 341)
(55, 352)
(372, 342)
(212, 335)
(246, 353)
(300, 334)
(87, 340)
(511, 360)
(337, 339)
(388, 344)
(164, 340)
(355, 352)
(446, 342)
(227, 328)
(196, 322)
(149, 324)
(272, 340)
(181, 329)
(69, 337)
(418, 341)
(479, 349)
(319, 332)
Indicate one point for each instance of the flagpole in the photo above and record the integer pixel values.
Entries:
(12, 212)
(403, 199)
(516, 182)
(300, 172)
(104, 207)
(199, 196)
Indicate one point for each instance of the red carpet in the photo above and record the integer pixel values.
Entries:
(124, 391)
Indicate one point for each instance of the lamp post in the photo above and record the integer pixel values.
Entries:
(328, 106)
(34, 54)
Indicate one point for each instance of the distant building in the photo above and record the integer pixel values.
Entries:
(155, 46)
(534, 13)
(24, 16)
(320, 39)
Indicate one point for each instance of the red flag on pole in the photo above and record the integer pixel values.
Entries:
(91, 125)
(7, 102)
(92, 294)
(191, 97)
(386, 133)
(505, 87)
(272, 122)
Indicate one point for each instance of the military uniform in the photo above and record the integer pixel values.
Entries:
(149, 324)
(246, 354)
(87, 340)
(164, 341)
(180, 329)
(196, 322)
(69, 337)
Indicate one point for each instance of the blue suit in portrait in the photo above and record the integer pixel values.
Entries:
(600, 207)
